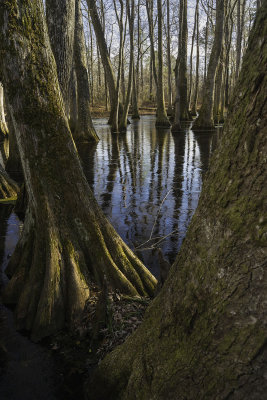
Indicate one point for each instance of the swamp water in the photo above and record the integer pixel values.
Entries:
(147, 181)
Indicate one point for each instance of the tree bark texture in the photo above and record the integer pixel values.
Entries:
(204, 336)
(205, 119)
(85, 130)
(182, 70)
(60, 16)
(195, 98)
(162, 119)
(8, 188)
(3, 125)
(130, 9)
(101, 41)
(66, 242)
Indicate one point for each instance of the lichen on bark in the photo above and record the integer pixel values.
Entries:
(204, 336)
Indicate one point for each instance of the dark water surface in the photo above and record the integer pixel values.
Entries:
(148, 183)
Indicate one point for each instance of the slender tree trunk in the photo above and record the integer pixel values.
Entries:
(218, 87)
(182, 74)
(3, 125)
(85, 130)
(162, 119)
(204, 336)
(191, 58)
(176, 127)
(238, 39)
(149, 9)
(195, 99)
(60, 16)
(205, 119)
(135, 112)
(66, 242)
(111, 81)
(130, 13)
(115, 121)
(170, 109)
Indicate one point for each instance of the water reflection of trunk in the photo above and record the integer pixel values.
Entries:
(114, 163)
(161, 177)
(178, 178)
(204, 145)
(87, 157)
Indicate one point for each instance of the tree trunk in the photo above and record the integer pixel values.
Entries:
(204, 336)
(162, 119)
(149, 10)
(205, 119)
(182, 72)
(104, 56)
(191, 58)
(170, 109)
(130, 13)
(8, 188)
(218, 87)
(66, 242)
(85, 130)
(3, 125)
(60, 16)
(13, 165)
(195, 99)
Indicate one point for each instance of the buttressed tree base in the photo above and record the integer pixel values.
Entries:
(204, 336)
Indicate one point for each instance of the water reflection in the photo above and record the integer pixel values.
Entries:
(10, 228)
(148, 183)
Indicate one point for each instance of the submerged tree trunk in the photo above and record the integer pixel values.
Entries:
(204, 336)
(67, 242)
(3, 125)
(205, 119)
(162, 119)
(85, 130)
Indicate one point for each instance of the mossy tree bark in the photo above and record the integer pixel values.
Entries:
(3, 125)
(204, 336)
(162, 119)
(205, 119)
(8, 188)
(13, 166)
(102, 45)
(60, 16)
(65, 26)
(66, 241)
(85, 130)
